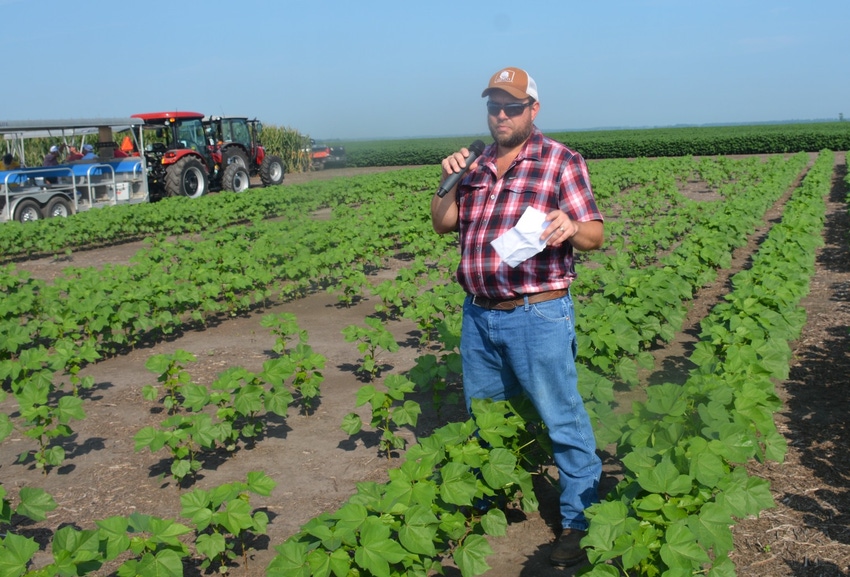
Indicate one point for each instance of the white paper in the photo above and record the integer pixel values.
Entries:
(523, 240)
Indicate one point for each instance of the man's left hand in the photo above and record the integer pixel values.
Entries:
(561, 228)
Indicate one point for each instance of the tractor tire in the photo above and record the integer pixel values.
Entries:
(58, 207)
(186, 177)
(232, 155)
(28, 211)
(271, 170)
(235, 178)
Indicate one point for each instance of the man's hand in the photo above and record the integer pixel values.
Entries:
(444, 211)
(456, 163)
(586, 235)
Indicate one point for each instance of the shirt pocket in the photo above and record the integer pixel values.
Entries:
(472, 201)
(527, 185)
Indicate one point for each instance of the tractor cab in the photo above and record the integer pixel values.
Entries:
(179, 159)
(236, 141)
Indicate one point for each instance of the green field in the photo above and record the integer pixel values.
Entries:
(651, 142)
(224, 255)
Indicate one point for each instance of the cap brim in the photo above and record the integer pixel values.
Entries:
(508, 89)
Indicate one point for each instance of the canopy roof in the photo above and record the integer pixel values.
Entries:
(63, 127)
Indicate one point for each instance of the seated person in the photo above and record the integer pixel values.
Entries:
(9, 162)
(52, 157)
(88, 152)
(73, 154)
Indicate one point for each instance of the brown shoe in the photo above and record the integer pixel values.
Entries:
(567, 549)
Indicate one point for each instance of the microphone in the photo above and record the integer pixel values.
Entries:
(475, 150)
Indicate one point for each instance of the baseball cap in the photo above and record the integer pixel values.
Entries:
(88, 148)
(54, 148)
(515, 81)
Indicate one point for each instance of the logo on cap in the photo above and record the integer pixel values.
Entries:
(505, 76)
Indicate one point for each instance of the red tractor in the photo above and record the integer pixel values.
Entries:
(190, 154)
(179, 158)
(236, 144)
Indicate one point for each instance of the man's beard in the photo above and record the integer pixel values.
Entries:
(519, 136)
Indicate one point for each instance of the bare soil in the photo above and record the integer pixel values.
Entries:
(316, 465)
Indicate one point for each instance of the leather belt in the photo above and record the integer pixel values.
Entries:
(510, 304)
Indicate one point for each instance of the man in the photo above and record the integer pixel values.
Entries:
(88, 152)
(518, 333)
(52, 157)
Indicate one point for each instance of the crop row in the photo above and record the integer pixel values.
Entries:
(181, 216)
(624, 309)
(140, 545)
(684, 448)
(707, 141)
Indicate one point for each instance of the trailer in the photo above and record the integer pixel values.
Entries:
(33, 191)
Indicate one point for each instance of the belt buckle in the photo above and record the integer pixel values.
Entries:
(494, 305)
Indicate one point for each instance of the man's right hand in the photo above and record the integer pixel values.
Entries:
(456, 163)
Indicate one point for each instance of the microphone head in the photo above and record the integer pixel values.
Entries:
(476, 148)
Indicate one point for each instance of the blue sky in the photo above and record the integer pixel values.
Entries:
(381, 69)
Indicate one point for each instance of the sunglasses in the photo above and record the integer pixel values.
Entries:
(511, 110)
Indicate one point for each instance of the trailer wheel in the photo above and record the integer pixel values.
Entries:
(186, 177)
(28, 211)
(271, 170)
(232, 155)
(58, 207)
(235, 178)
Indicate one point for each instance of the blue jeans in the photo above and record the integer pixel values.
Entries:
(532, 349)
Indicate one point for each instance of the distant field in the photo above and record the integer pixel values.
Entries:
(651, 142)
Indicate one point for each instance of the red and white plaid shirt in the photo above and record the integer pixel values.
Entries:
(546, 175)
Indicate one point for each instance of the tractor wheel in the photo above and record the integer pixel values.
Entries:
(28, 211)
(232, 155)
(58, 207)
(186, 177)
(235, 178)
(271, 170)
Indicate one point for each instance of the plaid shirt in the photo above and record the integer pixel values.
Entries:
(546, 175)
